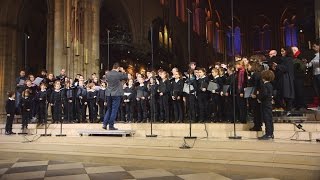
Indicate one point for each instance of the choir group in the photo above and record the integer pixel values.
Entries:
(254, 86)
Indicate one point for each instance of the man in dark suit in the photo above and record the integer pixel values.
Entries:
(114, 92)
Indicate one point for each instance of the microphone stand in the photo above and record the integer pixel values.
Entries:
(234, 79)
(189, 59)
(61, 135)
(153, 115)
(46, 116)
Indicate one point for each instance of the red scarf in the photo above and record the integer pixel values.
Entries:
(240, 78)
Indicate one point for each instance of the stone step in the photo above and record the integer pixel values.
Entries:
(205, 154)
(209, 130)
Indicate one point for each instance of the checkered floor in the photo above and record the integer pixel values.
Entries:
(19, 169)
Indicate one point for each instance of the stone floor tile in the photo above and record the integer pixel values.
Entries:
(149, 173)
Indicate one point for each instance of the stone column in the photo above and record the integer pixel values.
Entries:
(2, 67)
(50, 40)
(317, 17)
(59, 60)
(95, 37)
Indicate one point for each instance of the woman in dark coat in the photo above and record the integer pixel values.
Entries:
(287, 80)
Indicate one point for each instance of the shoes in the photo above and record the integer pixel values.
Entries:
(255, 129)
(104, 127)
(113, 128)
(7, 133)
(266, 137)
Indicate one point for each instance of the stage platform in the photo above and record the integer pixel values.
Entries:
(246, 158)
(284, 131)
(94, 132)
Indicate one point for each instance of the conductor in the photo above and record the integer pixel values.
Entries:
(114, 92)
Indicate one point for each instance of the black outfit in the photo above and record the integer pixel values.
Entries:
(92, 101)
(153, 101)
(286, 68)
(81, 103)
(57, 98)
(256, 82)
(215, 103)
(241, 102)
(177, 102)
(26, 105)
(191, 98)
(129, 106)
(265, 96)
(142, 91)
(42, 99)
(202, 97)
(164, 88)
(10, 110)
(299, 75)
(102, 99)
(229, 100)
(69, 100)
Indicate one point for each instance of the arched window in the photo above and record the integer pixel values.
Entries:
(237, 41)
(266, 37)
(256, 39)
(290, 33)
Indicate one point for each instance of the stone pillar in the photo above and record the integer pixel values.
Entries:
(2, 67)
(317, 17)
(58, 56)
(95, 37)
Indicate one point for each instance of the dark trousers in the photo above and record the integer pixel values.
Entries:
(229, 108)
(267, 117)
(81, 110)
(26, 116)
(241, 109)
(102, 108)
(42, 111)
(112, 110)
(92, 110)
(57, 112)
(203, 107)
(129, 111)
(142, 110)
(191, 106)
(178, 110)
(164, 107)
(9, 123)
(153, 109)
(68, 111)
(215, 107)
(256, 112)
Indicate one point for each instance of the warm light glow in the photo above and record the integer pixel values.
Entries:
(68, 39)
(160, 38)
(170, 44)
(166, 39)
(86, 56)
(77, 48)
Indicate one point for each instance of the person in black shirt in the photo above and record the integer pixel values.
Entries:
(141, 97)
(129, 100)
(56, 100)
(102, 100)
(265, 97)
(176, 95)
(191, 100)
(42, 99)
(164, 92)
(202, 95)
(153, 98)
(92, 101)
(10, 110)
(254, 80)
(26, 105)
(69, 102)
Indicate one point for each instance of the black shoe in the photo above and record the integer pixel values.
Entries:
(104, 127)
(7, 133)
(266, 137)
(113, 128)
(12, 132)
